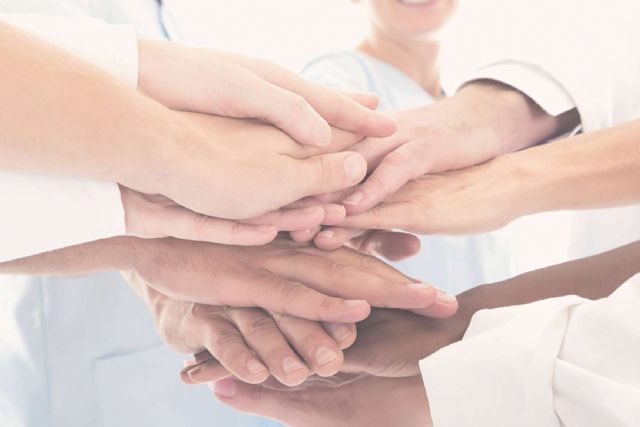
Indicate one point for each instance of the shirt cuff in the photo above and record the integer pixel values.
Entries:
(538, 85)
(42, 213)
(113, 48)
(501, 373)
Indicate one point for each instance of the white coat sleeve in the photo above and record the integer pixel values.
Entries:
(42, 213)
(571, 53)
(564, 362)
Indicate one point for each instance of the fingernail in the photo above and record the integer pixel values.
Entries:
(194, 371)
(326, 234)
(354, 167)
(187, 363)
(255, 367)
(338, 332)
(445, 297)
(289, 365)
(325, 355)
(354, 199)
(225, 388)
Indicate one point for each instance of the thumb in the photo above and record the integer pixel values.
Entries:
(331, 172)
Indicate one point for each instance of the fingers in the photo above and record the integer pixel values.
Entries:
(395, 170)
(227, 345)
(181, 223)
(357, 277)
(280, 405)
(262, 334)
(204, 372)
(385, 216)
(337, 109)
(281, 295)
(335, 237)
(445, 306)
(304, 236)
(369, 100)
(310, 340)
(292, 113)
(344, 334)
(295, 219)
(330, 172)
(391, 245)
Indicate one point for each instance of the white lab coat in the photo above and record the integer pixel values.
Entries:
(84, 351)
(564, 361)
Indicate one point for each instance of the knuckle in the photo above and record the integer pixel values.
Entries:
(367, 262)
(290, 291)
(325, 172)
(221, 342)
(259, 325)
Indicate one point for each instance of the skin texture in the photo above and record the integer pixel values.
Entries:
(226, 84)
(282, 277)
(250, 344)
(592, 170)
(482, 121)
(346, 399)
(57, 105)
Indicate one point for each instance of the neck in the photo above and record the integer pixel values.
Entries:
(416, 58)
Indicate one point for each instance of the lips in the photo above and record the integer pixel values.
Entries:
(417, 2)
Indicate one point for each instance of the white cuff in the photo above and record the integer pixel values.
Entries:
(538, 85)
(42, 213)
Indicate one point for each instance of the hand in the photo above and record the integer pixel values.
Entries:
(480, 122)
(249, 343)
(391, 245)
(155, 216)
(281, 277)
(235, 169)
(474, 200)
(365, 401)
(391, 343)
(226, 84)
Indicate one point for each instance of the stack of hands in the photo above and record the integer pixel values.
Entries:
(284, 317)
(255, 225)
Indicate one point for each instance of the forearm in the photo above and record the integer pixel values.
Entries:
(594, 170)
(508, 118)
(102, 255)
(593, 277)
(63, 116)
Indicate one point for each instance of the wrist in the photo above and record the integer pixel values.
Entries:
(509, 117)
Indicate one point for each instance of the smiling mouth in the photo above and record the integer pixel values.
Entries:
(416, 2)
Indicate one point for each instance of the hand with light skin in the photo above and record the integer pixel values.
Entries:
(282, 277)
(483, 120)
(68, 102)
(249, 343)
(156, 216)
(365, 401)
(230, 85)
(597, 169)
